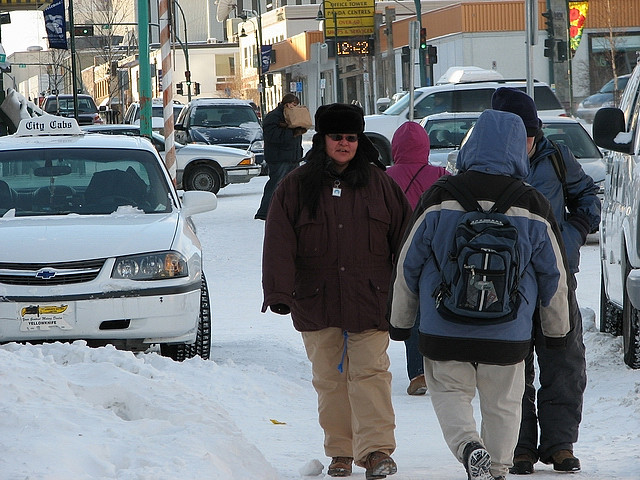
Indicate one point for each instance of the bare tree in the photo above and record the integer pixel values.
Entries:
(111, 20)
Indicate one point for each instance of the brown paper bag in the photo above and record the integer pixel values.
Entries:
(298, 116)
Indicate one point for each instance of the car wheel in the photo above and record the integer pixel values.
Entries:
(630, 330)
(202, 345)
(610, 315)
(203, 178)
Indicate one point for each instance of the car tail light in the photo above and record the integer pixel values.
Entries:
(97, 119)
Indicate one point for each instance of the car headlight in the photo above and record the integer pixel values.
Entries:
(609, 103)
(150, 266)
(257, 146)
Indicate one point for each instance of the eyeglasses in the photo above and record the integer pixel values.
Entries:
(336, 137)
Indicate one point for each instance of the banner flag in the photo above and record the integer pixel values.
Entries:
(55, 24)
(266, 58)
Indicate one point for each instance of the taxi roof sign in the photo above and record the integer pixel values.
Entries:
(48, 125)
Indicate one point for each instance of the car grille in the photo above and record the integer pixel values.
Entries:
(50, 273)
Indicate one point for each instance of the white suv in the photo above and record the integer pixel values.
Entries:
(618, 130)
(450, 97)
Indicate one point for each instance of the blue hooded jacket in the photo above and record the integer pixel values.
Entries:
(494, 154)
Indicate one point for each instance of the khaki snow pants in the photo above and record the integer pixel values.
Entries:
(354, 406)
(452, 386)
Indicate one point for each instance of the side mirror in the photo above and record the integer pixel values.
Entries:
(198, 201)
(179, 126)
(102, 108)
(609, 130)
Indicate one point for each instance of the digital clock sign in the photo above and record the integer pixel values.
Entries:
(354, 47)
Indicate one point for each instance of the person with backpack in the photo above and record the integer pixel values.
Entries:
(483, 249)
(333, 228)
(554, 171)
(411, 170)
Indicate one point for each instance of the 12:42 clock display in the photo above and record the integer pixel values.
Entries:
(354, 46)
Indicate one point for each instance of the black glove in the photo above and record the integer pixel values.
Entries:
(581, 224)
(299, 131)
(280, 308)
(399, 334)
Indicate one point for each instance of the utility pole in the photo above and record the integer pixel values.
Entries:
(560, 60)
(421, 57)
(74, 73)
(145, 68)
(389, 17)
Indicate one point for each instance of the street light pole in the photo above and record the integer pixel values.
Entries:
(320, 17)
(258, 32)
(185, 49)
(337, 67)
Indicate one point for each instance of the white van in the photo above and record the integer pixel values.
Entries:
(472, 96)
(618, 130)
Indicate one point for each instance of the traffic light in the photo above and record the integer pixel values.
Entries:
(562, 50)
(423, 38)
(432, 52)
(549, 44)
(83, 30)
(196, 88)
(549, 22)
(179, 89)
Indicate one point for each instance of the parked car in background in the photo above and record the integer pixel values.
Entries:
(62, 105)
(228, 122)
(618, 131)
(449, 97)
(562, 130)
(132, 115)
(97, 244)
(198, 167)
(607, 96)
(446, 131)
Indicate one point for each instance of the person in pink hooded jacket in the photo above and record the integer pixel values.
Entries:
(412, 172)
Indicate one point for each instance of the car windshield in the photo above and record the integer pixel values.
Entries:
(222, 116)
(85, 105)
(398, 107)
(448, 133)
(609, 87)
(574, 136)
(82, 181)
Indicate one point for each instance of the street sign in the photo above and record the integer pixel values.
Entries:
(3, 57)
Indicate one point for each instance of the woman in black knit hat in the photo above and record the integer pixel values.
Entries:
(333, 228)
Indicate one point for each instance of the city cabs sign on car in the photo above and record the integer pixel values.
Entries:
(97, 243)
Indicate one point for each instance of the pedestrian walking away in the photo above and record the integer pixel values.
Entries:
(483, 248)
(333, 228)
(556, 173)
(282, 149)
(411, 170)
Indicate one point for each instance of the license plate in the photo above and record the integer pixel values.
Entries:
(45, 317)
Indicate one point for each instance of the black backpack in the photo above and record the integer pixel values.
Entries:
(481, 273)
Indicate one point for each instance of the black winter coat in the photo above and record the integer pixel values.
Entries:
(279, 143)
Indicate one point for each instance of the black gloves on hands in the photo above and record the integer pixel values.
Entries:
(280, 308)
(399, 334)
